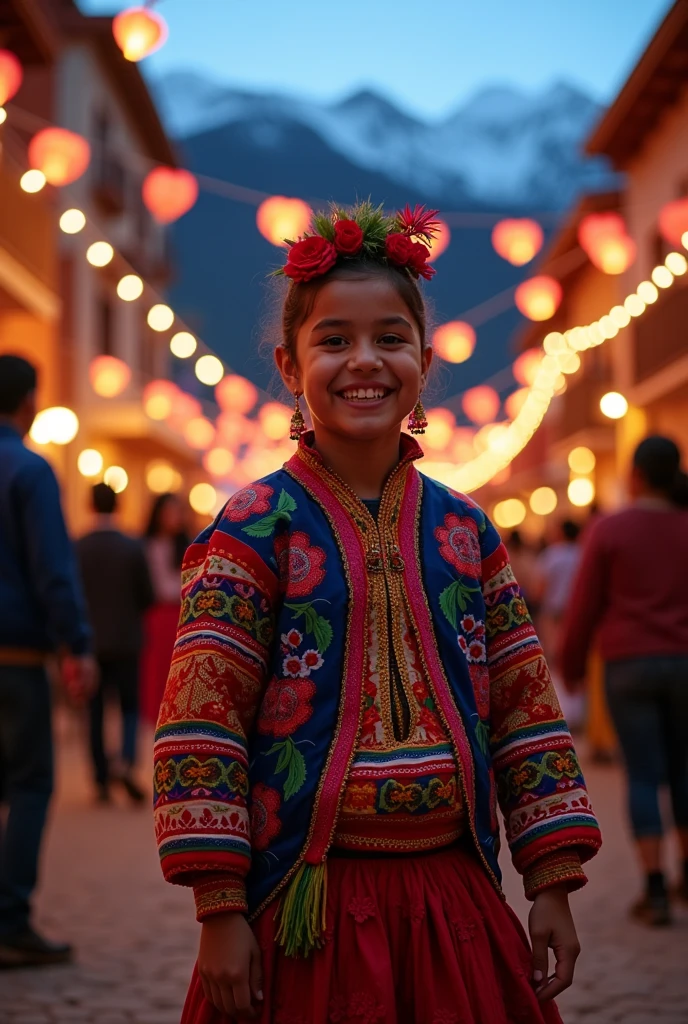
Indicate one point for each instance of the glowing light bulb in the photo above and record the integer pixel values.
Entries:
(614, 405)
(33, 181)
(662, 277)
(90, 462)
(209, 370)
(162, 477)
(183, 344)
(3, 115)
(73, 221)
(543, 501)
(56, 425)
(635, 305)
(676, 263)
(647, 291)
(99, 254)
(509, 513)
(620, 315)
(581, 460)
(202, 498)
(130, 287)
(117, 478)
(160, 317)
(581, 492)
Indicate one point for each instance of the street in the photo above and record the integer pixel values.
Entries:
(136, 936)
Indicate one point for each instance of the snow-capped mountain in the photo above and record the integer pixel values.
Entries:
(503, 146)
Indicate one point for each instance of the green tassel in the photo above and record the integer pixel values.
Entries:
(303, 911)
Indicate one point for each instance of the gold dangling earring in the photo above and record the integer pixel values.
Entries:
(297, 426)
(417, 421)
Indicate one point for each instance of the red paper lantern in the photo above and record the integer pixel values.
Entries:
(235, 394)
(517, 241)
(481, 404)
(538, 298)
(525, 368)
(439, 243)
(138, 32)
(109, 376)
(673, 220)
(454, 341)
(169, 193)
(63, 156)
(11, 76)
(279, 217)
(604, 239)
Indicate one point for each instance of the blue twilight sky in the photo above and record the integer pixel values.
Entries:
(429, 55)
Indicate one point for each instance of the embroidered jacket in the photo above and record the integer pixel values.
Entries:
(262, 713)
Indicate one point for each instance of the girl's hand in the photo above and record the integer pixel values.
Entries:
(551, 926)
(229, 965)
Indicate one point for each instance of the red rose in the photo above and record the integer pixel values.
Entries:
(399, 248)
(309, 258)
(418, 261)
(348, 237)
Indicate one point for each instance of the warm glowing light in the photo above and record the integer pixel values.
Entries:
(56, 425)
(32, 181)
(673, 220)
(3, 115)
(109, 376)
(235, 429)
(160, 317)
(614, 405)
(440, 429)
(199, 433)
(169, 192)
(209, 370)
(130, 287)
(509, 513)
(514, 402)
(647, 291)
(219, 461)
(138, 32)
(684, 239)
(440, 242)
(61, 155)
(554, 342)
(620, 315)
(99, 254)
(183, 344)
(462, 444)
(480, 404)
(184, 408)
(581, 460)
(159, 397)
(538, 298)
(635, 305)
(676, 263)
(117, 478)
(90, 462)
(581, 492)
(11, 76)
(279, 218)
(543, 501)
(662, 277)
(235, 394)
(517, 241)
(569, 362)
(604, 239)
(454, 341)
(202, 499)
(525, 368)
(162, 477)
(73, 221)
(275, 418)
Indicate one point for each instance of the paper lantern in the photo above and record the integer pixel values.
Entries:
(515, 402)
(61, 155)
(454, 341)
(202, 498)
(159, 397)
(604, 239)
(235, 394)
(275, 419)
(538, 298)
(199, 433)
(526, 366)
(219, 461)
(138, 32)
(480, 404)
(11, 75)
(169, 192)
(509, 513)
(109, 376)
(517, 241)
(279, 218)
(673, 220)
(439, 243)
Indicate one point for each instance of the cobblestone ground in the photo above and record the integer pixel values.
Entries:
(136, 936)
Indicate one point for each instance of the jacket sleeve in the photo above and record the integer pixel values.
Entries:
(215, 685)
(550, 826)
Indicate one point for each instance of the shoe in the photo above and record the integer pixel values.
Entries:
(653, 910)
(27, 948)
(134, 792)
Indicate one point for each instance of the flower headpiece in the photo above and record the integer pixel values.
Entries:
(365, 231)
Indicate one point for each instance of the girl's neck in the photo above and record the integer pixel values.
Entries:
(364, 465)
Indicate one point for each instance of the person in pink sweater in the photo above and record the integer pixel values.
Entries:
(630, 595)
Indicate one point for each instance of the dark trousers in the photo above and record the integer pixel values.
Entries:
(648, 703)
(119, 676)
(26, 784)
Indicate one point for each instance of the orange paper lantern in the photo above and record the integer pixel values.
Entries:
(199, 433)
(481, 404)
(517, 241)
(138, 32)
(159, 398)
(169, 192)
(604, 239)
(11, 76)
(109, 376)
(235, 394)
(454, 341)
(439, 243)
(526, 366)
(673, 220)
(61, 155)
(279, 218)
(538, 298)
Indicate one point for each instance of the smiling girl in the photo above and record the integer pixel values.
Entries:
(356, 687)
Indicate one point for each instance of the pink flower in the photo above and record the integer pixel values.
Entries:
(468, 623)
(293, 666)
(476, 651)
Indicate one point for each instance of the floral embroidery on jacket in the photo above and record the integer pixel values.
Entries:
(265, 825)
(299, 562)
(286, 706)
(459, 543)
(253, 500)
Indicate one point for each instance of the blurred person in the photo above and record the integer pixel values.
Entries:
(630, 595)
(41, 612)
(118, 590)
(166, 541)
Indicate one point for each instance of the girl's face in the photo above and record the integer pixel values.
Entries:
(359, 360)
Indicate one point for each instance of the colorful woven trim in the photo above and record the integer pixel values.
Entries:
(218, 895)
(554, 869)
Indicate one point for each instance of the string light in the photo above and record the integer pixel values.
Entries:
(581, 492)
(614, 405)
(209, 370)
(676, 263)
(509, 513)
(130, 287)
(202, 498)
(581, 460)
(99, 254)
(56, 425)
(162, 477)
(89, 462)
(543, 501)
(3, 115)
(647, 291)
(662, 277)
(32, 181)
(183, 344)
(117, 478)
(72, 221)
(160, 317)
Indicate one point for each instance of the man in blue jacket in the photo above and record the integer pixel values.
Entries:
(41, 613)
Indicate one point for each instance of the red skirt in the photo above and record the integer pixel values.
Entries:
(160, 633)
(422, 940)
